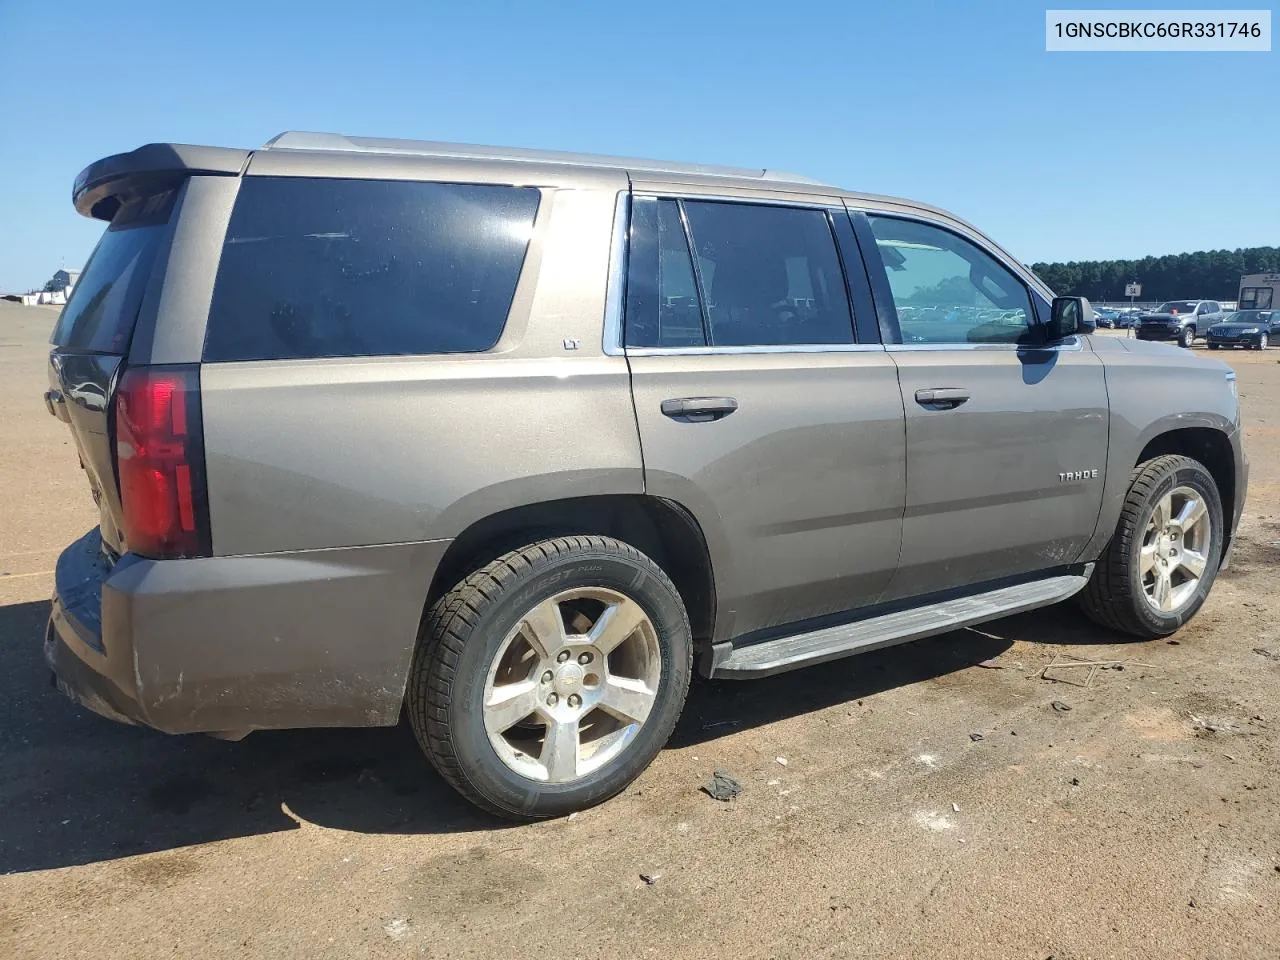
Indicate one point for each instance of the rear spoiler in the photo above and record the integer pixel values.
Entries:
(103, 187)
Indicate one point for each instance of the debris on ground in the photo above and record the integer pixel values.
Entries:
(573, 815)
(975, 737)
(781, 760)
(1060, 706)
(396, 928)
(722, 787)
(650, 878)
(1269, 654)
(773, 783)
(1212, 725)
(991, 665)
(1067, 662)
(955, 808)
(720, 723)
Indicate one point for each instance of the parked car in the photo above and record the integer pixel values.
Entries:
(1180, 320)
(381, 427)
(1245, 328)
(1106, 318)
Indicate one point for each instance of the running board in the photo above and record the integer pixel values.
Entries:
(830, 643)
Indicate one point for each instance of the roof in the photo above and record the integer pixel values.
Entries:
(301, 140)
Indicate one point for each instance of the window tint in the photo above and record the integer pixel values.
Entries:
(770, 275)
(347, 268)
(103, 309)
(662, 296)
(948, 290)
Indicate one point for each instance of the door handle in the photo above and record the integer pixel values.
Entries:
(699, 409)
(942, 398)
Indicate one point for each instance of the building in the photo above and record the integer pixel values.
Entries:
(63, 282)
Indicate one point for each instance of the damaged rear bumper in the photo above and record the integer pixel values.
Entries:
(234, 644)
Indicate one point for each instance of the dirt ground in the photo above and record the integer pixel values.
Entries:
(929, 806)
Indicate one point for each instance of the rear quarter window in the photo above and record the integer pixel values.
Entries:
(316, 267)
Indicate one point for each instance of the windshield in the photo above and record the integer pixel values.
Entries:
(103, 308)
(1177, 306)
(1249, 316)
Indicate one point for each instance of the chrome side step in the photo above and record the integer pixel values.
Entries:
(830, 643)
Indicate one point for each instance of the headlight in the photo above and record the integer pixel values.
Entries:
(1251, 330)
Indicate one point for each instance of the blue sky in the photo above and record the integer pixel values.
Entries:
(1058, 156)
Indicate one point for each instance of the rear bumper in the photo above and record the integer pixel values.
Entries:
(233, 644)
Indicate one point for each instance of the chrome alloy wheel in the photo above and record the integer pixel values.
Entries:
(572, 684)
(1175, 549)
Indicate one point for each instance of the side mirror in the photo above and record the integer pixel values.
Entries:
(1071, 316)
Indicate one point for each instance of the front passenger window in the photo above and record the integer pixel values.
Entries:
(948, 290)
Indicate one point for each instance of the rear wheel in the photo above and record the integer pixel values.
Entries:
(1163, 559)
(548, 680)
(1186, 337)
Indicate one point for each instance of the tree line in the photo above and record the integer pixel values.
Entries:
(1206, 274)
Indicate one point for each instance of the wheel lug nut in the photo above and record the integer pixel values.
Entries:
(562, 656)
(547, 677)
(574, 700)
(584, 658)
(552, 700)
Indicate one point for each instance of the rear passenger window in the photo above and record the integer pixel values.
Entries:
(352, 268)
(765, 276)
(662, 294)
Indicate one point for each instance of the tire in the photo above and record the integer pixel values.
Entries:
(1186, 338)
(1116, 596)
(1262, 342)
(472, 634)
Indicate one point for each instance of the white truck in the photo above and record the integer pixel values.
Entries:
(1259, 291)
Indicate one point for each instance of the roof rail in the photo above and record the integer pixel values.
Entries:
(302, 140)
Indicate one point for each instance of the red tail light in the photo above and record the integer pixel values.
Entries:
(160, 462)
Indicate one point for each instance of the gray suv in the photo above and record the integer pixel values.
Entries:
(513, 442)
(1181, 320)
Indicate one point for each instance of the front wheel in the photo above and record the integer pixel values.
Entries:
(547, 680)
(1186, 337)
(1163, 559)
(1262, 342)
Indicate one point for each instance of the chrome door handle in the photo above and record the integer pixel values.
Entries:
(699, 409)
(942, 398)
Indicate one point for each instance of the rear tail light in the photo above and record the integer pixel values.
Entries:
(160, 462)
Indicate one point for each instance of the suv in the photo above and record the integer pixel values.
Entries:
(513, 442)
(1180, 320)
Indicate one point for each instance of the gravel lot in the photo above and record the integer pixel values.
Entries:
(1142, 822)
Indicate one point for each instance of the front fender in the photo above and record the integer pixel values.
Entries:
(1154, 390)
